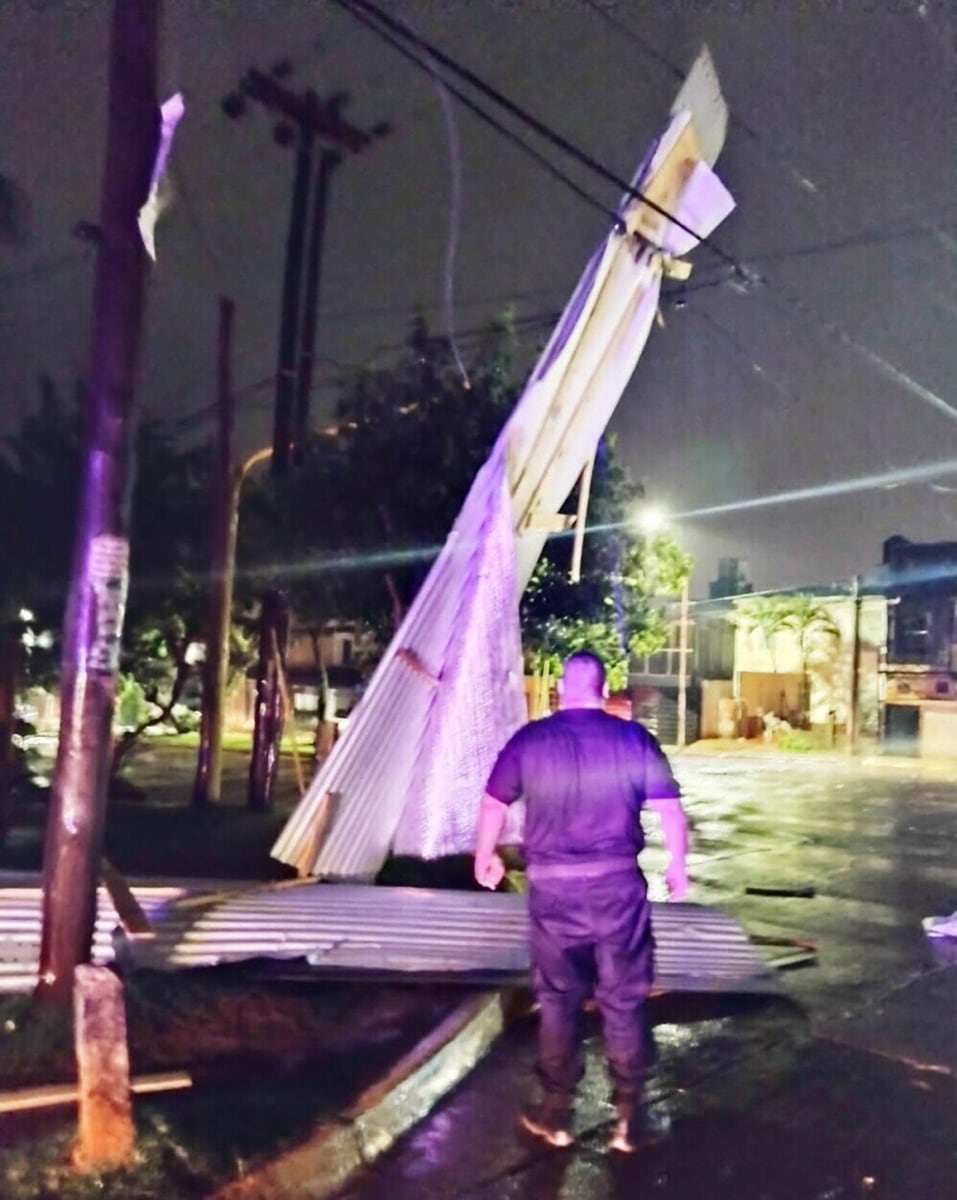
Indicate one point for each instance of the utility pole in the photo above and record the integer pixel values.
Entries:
(307, 121)
(683, 666)
(328, 161)
(270, 708)
(854, 703)
(95, 604)
(310, 123)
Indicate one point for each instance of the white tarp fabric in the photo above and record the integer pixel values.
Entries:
(409, 771)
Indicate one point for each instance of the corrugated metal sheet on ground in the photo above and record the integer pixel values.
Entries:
(353, 930)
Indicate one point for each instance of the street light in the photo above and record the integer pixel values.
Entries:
(208, 783)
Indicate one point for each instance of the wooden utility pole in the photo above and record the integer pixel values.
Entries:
(207, 786)
(308, 122)
(10, 650)
(289, 331)
(683, 665)
(96, 600)
(328, 161)
(270, 709)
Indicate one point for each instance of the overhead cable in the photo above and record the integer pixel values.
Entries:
(476, 110)
(806, 185)
(359, 8)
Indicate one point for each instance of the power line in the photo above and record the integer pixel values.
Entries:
(364, 7)
(486, 117)
(806, 185)
(45, 268)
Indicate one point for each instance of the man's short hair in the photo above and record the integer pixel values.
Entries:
(584, 673)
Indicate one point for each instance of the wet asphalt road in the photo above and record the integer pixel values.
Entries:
(845, 1088)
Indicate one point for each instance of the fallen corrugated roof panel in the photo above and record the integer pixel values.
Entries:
(409, 771)
(356, 930)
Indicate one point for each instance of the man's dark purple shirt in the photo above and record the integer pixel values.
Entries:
(584, 776)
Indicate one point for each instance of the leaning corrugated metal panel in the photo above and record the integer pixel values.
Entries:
(409, 771)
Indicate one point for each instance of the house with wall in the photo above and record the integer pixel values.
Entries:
(919, 691)
(737, 682)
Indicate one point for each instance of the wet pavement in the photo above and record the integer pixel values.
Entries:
(843, 1089)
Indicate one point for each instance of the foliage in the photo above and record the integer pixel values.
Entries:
(169, 547)
(766, 615)
(810, 621)
(39, 484)
(351, 532)
(801, 614)
(610, 610)
(797, 741)
(131, 706)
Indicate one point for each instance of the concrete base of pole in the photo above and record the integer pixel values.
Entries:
(105, 1134)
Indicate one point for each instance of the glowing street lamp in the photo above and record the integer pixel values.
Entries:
(651, 518)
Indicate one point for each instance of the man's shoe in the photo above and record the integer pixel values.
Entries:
(624, 1137)
(635, 1127)
(551, 1125)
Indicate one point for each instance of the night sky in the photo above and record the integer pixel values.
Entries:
(837, 364)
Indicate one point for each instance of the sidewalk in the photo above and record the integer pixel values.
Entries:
(845, 1090)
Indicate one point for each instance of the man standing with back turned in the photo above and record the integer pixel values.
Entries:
(585, 776)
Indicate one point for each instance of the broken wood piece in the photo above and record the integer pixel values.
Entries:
(410, 659)
(50, 1095)
(801, 891)
(134, 921)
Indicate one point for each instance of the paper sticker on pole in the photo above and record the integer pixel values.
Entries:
(109, 578)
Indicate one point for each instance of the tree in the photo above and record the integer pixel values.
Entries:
(801, 614)
(765, 615)
(811, 622)
(93, 620)
(168, 569)
(349, 535)
(610, 610)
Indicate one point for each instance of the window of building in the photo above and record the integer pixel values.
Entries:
(912, 633)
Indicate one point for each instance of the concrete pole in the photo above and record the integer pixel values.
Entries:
(854, 704)
(683, 666)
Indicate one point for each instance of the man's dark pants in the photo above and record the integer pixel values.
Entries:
(592, 937)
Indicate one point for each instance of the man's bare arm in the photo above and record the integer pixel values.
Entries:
(489, 868)
(674, 828)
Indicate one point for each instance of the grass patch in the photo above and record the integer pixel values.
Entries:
(269, 1061)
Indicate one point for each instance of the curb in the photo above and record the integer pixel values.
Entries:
(336, 1149)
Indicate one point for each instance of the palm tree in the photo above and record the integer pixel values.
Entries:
(809, 619)
(765, 615)
(804, 615)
